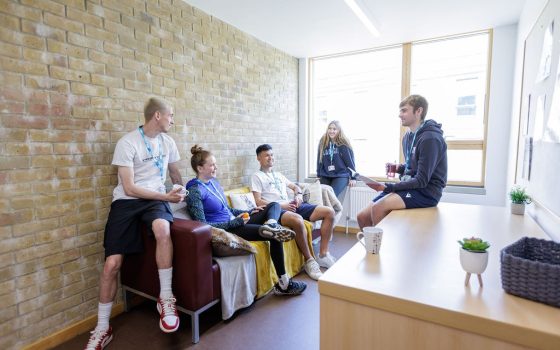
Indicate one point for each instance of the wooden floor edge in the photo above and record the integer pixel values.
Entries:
(342, 229)
(70, 332)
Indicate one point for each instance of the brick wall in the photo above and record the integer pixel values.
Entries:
(74, 76)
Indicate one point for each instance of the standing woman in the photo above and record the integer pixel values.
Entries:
(334, 157)
(207, 203)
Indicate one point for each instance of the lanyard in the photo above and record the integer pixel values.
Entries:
(409, 152)
(158, 161)
(214, 192)
(276, 184)
(331, 151)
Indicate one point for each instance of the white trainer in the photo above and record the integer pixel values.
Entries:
(312, 269)
(326, 261)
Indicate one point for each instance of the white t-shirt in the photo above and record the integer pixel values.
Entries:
(272, 186)
(131, 151)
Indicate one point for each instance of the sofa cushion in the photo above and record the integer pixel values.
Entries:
(312, 193)
(228, 244)
(243, 201)
(179, 210)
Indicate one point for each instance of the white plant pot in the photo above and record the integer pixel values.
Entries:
(518, 208)
(473, 262)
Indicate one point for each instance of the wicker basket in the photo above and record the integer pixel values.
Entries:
(530, 269)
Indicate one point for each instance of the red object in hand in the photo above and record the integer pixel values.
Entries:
(390, 169)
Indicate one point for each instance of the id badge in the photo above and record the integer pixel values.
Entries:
(330, 168)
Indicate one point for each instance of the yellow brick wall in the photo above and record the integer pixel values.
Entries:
(74, 76)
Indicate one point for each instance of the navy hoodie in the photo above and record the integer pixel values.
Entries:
(428, 163)
(343, 157)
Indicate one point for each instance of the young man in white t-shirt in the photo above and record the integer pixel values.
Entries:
(143, 157)
(270, 186)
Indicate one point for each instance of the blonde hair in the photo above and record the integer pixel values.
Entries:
(339, 140)
(155, 105)
(199, 156)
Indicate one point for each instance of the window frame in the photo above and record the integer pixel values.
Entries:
(459, 144)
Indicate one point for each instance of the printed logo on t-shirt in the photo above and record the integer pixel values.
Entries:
(154, 158)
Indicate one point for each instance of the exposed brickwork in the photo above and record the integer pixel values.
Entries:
(74, 75)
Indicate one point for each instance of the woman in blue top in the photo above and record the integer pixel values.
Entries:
(334, 157)
(207, 202)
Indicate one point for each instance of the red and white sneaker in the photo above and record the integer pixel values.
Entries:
(168, 315)
(99, 339)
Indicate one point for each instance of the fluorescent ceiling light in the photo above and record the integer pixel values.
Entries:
(362, 16)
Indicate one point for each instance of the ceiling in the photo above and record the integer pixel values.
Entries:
(310, 28)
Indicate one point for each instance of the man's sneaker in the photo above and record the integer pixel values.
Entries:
(326, 261)
(276, 232)
(168, 316)
(312, 269)
(99, 339)
(294, 288)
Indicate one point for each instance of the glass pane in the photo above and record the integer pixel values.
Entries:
(363, 92)
(464, 165)
(451, 74)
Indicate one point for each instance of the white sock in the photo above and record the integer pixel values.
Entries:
(165, 282)
(270, 221)
(284, 281)
(103, 315)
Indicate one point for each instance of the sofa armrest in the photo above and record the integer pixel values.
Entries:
(192, 265)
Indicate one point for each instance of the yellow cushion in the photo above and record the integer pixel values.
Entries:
(293, 259)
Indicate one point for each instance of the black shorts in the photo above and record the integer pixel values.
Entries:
(304, 209)
(122, 231)
(412, 199)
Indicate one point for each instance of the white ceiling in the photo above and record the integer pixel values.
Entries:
(310, 28)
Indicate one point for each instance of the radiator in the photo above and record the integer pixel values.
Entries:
(358, 198)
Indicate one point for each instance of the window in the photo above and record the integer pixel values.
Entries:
(363, 90)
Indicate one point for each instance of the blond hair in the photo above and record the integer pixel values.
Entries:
(155, 105)
(339, 140)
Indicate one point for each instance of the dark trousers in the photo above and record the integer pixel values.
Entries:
(250, 232)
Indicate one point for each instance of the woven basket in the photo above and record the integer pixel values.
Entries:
(530, 269)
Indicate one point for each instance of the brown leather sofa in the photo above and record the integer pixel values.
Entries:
(196, 277)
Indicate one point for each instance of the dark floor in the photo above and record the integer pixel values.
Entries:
(272, 322)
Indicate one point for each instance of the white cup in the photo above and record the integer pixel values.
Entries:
(371, 239)
(182, 191)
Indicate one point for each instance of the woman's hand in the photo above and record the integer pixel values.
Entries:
(245, 217)
(352, 183)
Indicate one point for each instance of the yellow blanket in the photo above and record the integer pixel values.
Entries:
(293, 259)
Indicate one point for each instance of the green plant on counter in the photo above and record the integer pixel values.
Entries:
(474, 244)
(518, 195)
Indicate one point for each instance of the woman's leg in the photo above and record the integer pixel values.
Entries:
(250, 232)
(271, 211)
(339, 184)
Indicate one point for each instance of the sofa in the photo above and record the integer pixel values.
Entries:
(196, 275)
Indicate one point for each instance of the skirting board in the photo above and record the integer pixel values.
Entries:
(70, 332)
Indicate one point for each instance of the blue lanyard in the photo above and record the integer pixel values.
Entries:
(158, 161)
(276, 184)
(331, 151)
(216, 193)
(409, 152)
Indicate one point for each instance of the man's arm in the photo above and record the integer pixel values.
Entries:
(126, 174)
(174, 173)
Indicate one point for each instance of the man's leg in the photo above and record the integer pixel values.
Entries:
(169, 318)
(325, 214)
(295, 222)
(375, 212)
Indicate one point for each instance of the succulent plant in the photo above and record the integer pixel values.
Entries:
(474, 244)
(518, 195)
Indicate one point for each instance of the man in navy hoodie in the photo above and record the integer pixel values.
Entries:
(424, 173)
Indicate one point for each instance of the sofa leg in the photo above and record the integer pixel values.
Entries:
(125, 299)
(194, 328)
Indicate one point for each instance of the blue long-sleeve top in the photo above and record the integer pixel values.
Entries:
(428, 161)
(342, 159)
(207, 203)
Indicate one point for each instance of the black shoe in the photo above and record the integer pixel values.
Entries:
(294, 288)
(276, 232)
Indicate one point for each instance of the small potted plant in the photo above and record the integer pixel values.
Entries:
(519, 198)
(474, 257)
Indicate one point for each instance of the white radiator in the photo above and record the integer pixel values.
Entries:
(358, 198)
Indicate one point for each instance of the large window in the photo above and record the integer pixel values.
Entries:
(363, 90)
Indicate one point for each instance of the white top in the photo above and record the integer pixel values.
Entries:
(131, 151)
(272, 186)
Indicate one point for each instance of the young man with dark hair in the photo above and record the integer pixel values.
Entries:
(424, 173)
(143, 157)
(270, 186)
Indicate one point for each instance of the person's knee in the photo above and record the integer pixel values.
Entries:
(112, 265)
(160, 227)
(293, 221)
